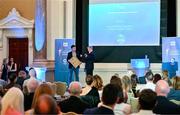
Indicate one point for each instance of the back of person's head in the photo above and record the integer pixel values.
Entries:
(32, 72)
(42, 89)
(22, 74)
(110, 94)
(126, 83)
(117, 81)
(176, 83)
(147, 99)
(162, 88)
(89, 79)
(13, 99)
(46, 105)
(54, 87)
(5, 60)
(75, 88)
(149, 76)
(97, 82)
(12, 77)
(165, 73)
(134, 80)
(32, 84)
(156, 78)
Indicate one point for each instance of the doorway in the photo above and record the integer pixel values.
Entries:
(18, 49)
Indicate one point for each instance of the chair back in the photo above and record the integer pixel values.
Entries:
(61, 88)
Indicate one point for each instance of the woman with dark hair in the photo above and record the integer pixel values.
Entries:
(12, 66)
(4, 69)
(156, 78)
(120, 107)
(90, 93)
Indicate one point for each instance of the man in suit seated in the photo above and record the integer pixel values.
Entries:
(109, 99)
(74, 103)
(163, 105)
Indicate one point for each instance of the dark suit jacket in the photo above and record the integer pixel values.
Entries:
(89, 61)
(70, 56)
(164, 106)
(98, 110)
(73, 104)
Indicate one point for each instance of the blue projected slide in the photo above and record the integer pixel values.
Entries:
(124, 24)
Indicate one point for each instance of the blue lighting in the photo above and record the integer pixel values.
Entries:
(40, 72)
(39, 26)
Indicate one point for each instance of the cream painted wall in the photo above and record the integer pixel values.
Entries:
(178, 17)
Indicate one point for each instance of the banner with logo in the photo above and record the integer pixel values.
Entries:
(62, 47)
(171, 50)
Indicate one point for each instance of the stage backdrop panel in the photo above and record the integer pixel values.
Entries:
(171, 49)
(62, 47)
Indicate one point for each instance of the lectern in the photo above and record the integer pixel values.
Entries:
(140, 66)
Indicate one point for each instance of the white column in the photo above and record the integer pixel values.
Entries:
(70, 18)
(54, 25)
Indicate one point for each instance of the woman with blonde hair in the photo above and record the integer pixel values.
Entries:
(127, 88)
(97, 82)
(13, 102)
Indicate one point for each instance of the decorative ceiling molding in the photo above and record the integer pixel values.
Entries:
(15, 20)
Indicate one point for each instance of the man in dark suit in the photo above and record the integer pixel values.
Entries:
(72, 69)
(163, 105)
(89, 59)
(74, 103)
(109, 98)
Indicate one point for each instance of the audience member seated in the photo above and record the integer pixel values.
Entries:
(127, 89)
(90, 94)
(134, 81)
(74, 103)
(54, 88)
(3, 83)
(12, 79)
(98, 83)
(21, 77)
(149, 81)
(32, 74)
(88, 87)
(46, 105)
(174, 93)
(120, 108)
(165, 76)
(163, 105)
(28, 98)
(12, 102)
(42, 89)
(109, 99)
(156, 78)
(147, 100)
